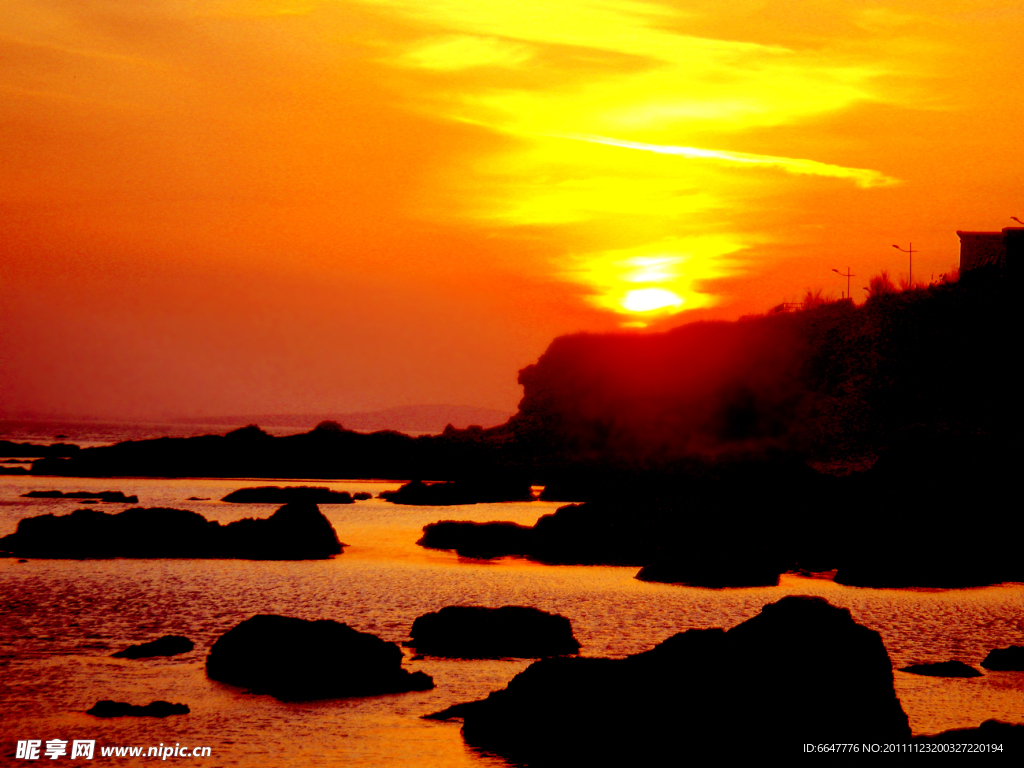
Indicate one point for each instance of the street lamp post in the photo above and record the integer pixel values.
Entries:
(848, 275)
(909, 250)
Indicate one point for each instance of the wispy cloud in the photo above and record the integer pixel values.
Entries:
(862, 177)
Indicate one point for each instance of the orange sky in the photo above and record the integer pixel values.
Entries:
(237, 206)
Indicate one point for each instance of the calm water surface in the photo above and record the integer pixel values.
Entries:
(60, 620)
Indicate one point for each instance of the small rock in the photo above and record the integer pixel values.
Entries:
(272, 494)
(942, 669)
(108, 708)
(168, 645)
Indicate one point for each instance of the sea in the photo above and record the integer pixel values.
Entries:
(60, 621)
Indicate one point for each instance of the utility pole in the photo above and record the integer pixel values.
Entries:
(848, 275)
(909, 250)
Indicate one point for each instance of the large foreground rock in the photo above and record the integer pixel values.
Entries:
(801, 671)
(295, 532)
(294, 659)
(474, 632)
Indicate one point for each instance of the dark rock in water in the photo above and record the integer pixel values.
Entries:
(716, 566)
(361, 496)
(135, 532)
(168, 645)
(272, 494)
(297, 531)
(580, 534)
(459, 492)
(801, 671)
(942, 669)
(1008, 736)
(922, 565)
(1005, 659)
(44, 495)
(596, 534)
(479, 540)
(108, 708)
(13, 471)
(473, 632)
(295, 659)
(108, 496)
(198, 498)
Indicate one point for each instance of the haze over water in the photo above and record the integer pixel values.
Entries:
(63, 619)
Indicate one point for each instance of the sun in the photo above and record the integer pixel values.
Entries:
(650, 299)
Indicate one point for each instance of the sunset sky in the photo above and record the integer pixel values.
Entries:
(265, 206)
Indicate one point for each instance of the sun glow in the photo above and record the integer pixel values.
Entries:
(650, 299)
(658, 278)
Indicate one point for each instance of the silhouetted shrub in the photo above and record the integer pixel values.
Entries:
(881, 285)
(814, 299)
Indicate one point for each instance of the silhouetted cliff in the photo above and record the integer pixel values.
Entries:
(829, 382)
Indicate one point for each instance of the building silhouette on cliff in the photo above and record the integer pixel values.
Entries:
(1001, 250)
